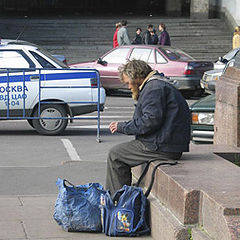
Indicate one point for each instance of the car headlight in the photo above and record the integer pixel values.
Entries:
(203, 118)
(215, 78)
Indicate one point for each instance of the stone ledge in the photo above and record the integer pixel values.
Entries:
(197, 234)
(202, 189)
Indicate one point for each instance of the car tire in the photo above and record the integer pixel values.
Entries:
(109, 92)
(50, 126)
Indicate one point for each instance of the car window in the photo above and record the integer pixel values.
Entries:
(160, 58)
(117, 56)
(142, 54)
(230, 55)
(175, 54)
(12, 59)
(152, 57)
(46, 53)
(43, 62)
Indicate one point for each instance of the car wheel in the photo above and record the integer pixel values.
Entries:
(50, 126)
(109, 92)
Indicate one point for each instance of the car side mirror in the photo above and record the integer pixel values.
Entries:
(100, 61)
(220, 59)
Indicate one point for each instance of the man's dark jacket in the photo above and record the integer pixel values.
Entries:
(148, 39)
(161, 119)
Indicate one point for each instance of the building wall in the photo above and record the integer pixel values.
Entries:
(233, 6)
(229, 9)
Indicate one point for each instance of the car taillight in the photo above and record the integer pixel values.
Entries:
(94, 82)
(189, 70)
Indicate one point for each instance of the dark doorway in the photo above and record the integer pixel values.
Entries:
(185, 8)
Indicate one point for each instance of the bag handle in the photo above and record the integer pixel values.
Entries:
(153, 173)
(66, 181)
(144, 172)
(153, 176)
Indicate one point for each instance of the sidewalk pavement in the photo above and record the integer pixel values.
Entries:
(31, 217)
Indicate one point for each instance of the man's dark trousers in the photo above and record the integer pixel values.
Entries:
(124, 156)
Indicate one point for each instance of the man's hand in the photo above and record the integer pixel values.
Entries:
(113, 127)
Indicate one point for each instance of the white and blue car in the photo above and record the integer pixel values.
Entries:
(37, 87)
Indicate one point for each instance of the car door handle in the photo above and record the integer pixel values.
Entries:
(34, 78)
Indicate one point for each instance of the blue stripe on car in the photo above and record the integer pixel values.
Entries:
(48, 76)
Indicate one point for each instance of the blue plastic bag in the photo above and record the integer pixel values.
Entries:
(77, 207)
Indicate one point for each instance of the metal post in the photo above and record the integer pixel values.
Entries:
(8, 93)
(98, 108)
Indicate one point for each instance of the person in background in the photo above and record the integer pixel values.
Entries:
(115, 41)
(160, 123)
(164, 38)
(150, 36)
(138, 37)
(236, 38)
(122, 34)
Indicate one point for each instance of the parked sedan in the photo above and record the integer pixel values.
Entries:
(173, 62)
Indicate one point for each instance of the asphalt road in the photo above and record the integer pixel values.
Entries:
(30, 163)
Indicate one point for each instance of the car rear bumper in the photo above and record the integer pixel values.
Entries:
(187, 83)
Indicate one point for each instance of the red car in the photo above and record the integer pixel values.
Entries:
(173, 62)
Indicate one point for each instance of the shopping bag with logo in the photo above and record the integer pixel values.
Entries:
(77, 206)
(127, 212)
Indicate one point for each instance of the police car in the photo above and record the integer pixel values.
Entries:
(41, 89)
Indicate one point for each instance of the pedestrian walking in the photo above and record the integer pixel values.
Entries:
(122, 34)
(160, 123)
(164, 38)
(138, 37)
(115, 41)
(236, 38)
(150, 37)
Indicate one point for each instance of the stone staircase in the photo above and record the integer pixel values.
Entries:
(85, 38)
(197, 199)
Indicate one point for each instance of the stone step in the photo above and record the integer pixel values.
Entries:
(70, 36)
(164, 225)
(220, 220)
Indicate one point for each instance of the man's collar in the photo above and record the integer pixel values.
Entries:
(146, 79)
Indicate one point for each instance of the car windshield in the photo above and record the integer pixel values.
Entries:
(233, 62)
(175, 54)
(44, 52)
(230, 55)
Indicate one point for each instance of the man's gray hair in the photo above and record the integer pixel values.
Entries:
(135, 70)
